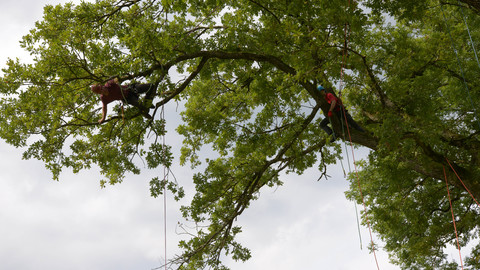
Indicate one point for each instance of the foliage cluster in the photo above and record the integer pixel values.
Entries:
(249, 87)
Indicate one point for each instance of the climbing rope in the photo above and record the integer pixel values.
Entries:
(165, 177)
(461, 68)
(475, 114)
(166, 173)
(468, 30)
(360, 188)
(463, 184)
(453, 218)
(346, 33)
(342, 72)
(350, 171)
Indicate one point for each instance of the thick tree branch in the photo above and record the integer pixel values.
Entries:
(437, 171)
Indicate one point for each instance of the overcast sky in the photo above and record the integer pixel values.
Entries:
(74, 224)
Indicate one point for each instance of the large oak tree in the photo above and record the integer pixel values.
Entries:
(406, 71)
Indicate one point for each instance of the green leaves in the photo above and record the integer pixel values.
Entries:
(249, 71)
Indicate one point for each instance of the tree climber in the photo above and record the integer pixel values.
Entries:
(129, 94)
(337, 107)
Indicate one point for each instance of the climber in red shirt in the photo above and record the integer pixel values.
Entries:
(336, 107)
(129, 94)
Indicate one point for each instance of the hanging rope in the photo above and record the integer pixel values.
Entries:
(346, 34)
(468, 30)
(344, 61)
(461, 68)
(355, 203)
(165, 178)
(453, 217)
(463, 184)
(350, 171)
(360, 188)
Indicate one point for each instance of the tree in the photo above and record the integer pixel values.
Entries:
(250, 74)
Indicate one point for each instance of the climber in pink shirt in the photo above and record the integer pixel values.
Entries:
(129, 94)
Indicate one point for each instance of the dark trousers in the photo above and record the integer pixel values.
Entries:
(135, 89)
(340, 114)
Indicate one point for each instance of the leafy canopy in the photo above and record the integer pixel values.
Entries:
(248, 85)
